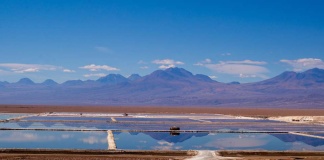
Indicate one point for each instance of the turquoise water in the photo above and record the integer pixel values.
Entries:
(144, 140)
(162, 126)
(4, 116)
(147, 124)
(60, 118)
(158, 141)
(53, 140)
(222, 141)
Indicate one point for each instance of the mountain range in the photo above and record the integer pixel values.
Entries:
(172, 87)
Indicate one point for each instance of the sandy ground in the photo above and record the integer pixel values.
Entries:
(257, 155)
(14, 154)
(260, 112)
(32, 154)
(271, 155)
(84, 157)
(300, 119)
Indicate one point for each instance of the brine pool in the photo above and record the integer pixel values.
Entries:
(4, 116)
(136, 132)
(158, 141)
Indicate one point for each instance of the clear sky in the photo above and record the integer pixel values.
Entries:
(228, 40)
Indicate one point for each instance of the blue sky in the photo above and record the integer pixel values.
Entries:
(229, 40)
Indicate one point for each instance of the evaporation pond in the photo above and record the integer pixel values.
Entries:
(241, 120)
(53, 140)
(318, 134)
(4, 116)
(58, 118)
(220, 141)
(157, 119)
(139, 125)
(49, 125)
(157, 141)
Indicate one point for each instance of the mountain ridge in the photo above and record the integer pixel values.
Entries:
(307, 78)
(177, 73)
(172, 87)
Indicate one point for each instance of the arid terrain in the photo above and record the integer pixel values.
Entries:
(157, 155)
(156, 109)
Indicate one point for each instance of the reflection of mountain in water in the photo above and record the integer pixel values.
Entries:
(166, 136)
(101, 125)
(294, 138)
(24, 124)
(174, 138)
(49, 124)
(131, 133)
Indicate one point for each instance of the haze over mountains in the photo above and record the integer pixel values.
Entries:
(172, 87)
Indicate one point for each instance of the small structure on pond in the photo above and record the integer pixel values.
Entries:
(174, 130)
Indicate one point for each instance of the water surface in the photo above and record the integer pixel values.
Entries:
(158, 141)
(221, 141)
(4, 116)
(53, 140)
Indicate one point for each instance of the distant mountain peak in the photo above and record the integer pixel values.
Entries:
(112, 79)
(176, 74)
(179, 72)
(169, 74)
(73, 83)
(49, 82)
(134, 77)
(25, 81)
(312, 75)
(317, 71)
(305, 79)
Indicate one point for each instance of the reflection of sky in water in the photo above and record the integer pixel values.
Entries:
(157, 141)
(161, 126)
(188, 141)
(318, 134)
(4, 116)
(53, 140)
(156, 119)
(146, 122)
(47, 125)
(242, 120)
(51, 118)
